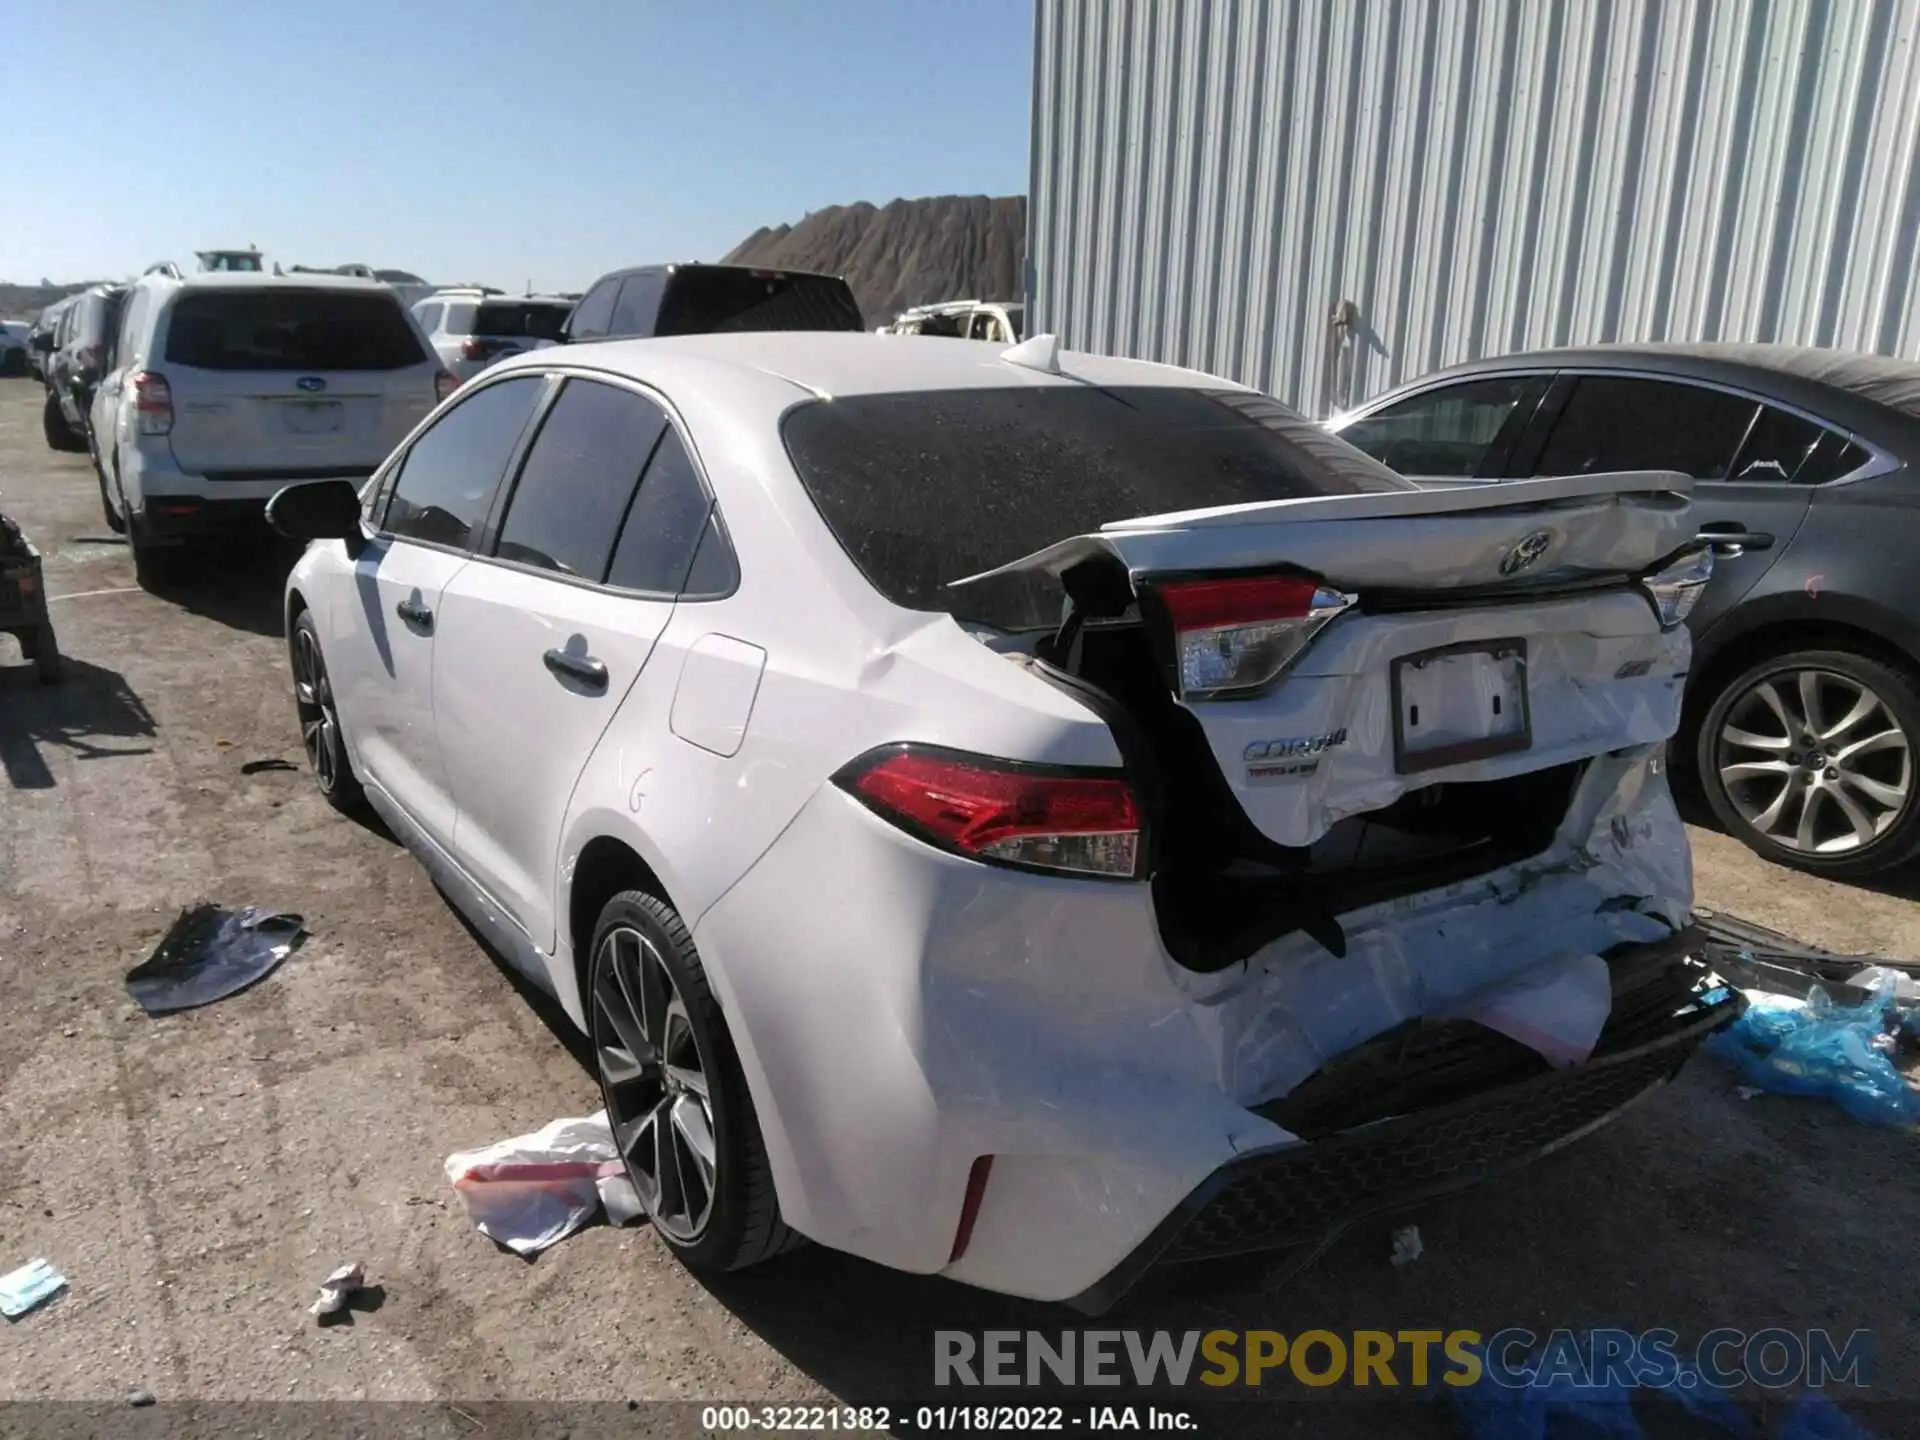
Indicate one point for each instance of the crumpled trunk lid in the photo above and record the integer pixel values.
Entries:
(1492, 632)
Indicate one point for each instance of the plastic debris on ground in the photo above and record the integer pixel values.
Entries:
(534, 1190)
(335, 1289)
(1552, 1396)
(32, 1284)
(211, 953)
(1406, 1246)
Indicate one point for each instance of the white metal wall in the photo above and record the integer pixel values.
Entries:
(1211, 178)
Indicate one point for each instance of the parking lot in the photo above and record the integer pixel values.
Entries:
(195, 1177)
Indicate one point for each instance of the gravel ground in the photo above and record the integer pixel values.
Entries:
(196, 1176)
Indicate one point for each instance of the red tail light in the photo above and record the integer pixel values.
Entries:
(1036, 817)
(1235, 636)
(474, 349)
(445, 383)
(153, 403)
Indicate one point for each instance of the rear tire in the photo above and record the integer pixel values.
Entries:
(1833, 792)
(675, 1093)
(155, 567)
(54, 425)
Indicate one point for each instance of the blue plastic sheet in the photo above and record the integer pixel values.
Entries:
(1830, 1051)
(1550, 1396)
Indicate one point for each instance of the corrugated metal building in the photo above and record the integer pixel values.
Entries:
(1324, 197)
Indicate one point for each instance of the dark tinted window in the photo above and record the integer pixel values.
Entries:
(449, 474)
(1622, 424)
(663, 529)
(638, 307)
(922, 488)
(521, 320)
(1778, 445)
(703, 300)
(715, 572)
(290, 330)
(1832, 457)
(578, 479)
(594, 314)
(1449, 432)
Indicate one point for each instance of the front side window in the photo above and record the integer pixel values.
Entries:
(578, 479)
(449, 473)
(1620, 423)
(287, 329)
(1453, 432)
(924, 487)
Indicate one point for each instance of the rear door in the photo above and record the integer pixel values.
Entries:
(561, 615)
(1744, 456)
(280, 381)
(380, 648)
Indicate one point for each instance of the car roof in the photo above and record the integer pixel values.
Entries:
(263, 280)
(767, 270)
(839, 363)
(1845, 384)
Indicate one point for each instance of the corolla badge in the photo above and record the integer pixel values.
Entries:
(312, 384)
(1526, 553)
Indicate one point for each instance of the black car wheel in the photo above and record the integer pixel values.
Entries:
(1809, 759)
(675, 1096)
(319, 719)
(116, 522)
(53, 423)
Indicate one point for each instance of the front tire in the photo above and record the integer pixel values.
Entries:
(1808, 759)
(320, 733)
(675, 1095)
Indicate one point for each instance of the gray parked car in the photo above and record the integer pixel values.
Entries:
(1803, 709)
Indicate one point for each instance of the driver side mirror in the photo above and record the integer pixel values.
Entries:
(319, 510)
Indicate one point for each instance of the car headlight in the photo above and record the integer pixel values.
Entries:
(1676, 589)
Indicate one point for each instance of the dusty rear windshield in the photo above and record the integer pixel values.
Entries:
(924, 487)
(290, 330)
(701, 301)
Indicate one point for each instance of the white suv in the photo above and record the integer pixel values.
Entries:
(227, 386)
(1192, 885)
(470, 329)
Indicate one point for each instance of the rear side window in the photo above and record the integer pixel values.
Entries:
(578, 479)
(1615, 423)
(429, 317)
(1784, 447)
(594, 314)
(635, 312)
(450, 472)
(664, 527)
(701, 301)
(289, 330)
(1452, 432)
(459, 319)
(922, 488)
(521, 321)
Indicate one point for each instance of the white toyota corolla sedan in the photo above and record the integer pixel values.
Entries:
(1013, 814)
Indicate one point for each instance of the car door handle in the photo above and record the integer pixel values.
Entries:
(1731, 538)
(414, 613)
(584, 668)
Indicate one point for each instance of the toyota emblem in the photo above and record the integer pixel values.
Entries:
(1524, 555)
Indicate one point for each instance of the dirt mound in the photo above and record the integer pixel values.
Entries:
(908, 252)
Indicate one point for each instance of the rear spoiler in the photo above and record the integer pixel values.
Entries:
(1613, 523)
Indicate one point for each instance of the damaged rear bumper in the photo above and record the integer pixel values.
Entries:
(1305, 1193)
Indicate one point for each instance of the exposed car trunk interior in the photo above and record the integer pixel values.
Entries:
(1222, 890)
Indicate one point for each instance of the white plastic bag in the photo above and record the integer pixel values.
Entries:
(533, 1190)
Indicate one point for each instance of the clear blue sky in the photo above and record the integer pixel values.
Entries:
(498, 140)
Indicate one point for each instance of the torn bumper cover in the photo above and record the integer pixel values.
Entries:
(1433, 1107)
